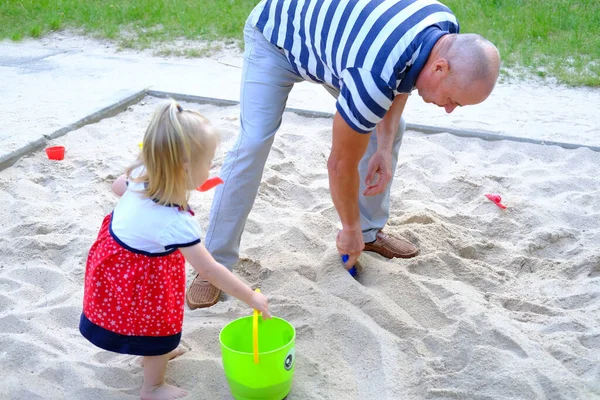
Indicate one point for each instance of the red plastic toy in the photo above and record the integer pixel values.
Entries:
(209, 184)
(56, 152)
(496, 199)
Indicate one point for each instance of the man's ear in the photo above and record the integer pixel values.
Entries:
(441, 66)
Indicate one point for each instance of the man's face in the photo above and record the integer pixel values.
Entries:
(442, 88)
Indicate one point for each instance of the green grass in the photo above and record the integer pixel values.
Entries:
(552, 38)
(149, 20)
(549, 38)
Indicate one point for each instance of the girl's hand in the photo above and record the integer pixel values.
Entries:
(259, 302)
(206, 266)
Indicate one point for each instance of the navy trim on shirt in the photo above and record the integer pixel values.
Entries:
(136, 345)
(431, 36)
(136, 251)
(175, 246)
(157, 201)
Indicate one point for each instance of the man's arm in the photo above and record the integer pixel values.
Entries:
(347, 149)
(381, 162)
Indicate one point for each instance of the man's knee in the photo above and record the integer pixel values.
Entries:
(256, 144)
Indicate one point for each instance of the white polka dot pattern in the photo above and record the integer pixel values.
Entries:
(133, 294)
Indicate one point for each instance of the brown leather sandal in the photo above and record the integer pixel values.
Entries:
(392, 246)
(201, 294)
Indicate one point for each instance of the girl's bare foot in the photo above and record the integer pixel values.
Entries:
(162, 392)
(171, 355)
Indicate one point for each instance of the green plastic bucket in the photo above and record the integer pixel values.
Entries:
(271, 377)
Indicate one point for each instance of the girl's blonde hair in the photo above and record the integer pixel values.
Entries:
(174, 137)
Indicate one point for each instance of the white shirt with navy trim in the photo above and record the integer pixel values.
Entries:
(370, 50)
(144, 226)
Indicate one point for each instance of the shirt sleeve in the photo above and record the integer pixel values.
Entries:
(364, 99)
(182, 233)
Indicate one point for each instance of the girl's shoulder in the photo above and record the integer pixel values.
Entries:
(133, 179)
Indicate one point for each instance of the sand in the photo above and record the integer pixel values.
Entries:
(500, 304)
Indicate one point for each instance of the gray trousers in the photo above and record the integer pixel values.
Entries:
(267, 79)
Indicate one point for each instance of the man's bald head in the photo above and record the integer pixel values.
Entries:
(462, 69)
(472, 59)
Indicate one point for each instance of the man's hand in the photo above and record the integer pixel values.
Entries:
(351, 243)
(379, 173)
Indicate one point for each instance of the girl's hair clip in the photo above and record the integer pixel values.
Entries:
(179, 108)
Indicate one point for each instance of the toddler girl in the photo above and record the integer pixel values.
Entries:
(135, 272)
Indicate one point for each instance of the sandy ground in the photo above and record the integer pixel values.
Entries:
(500, 304)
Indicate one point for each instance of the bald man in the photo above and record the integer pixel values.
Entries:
(369, 54)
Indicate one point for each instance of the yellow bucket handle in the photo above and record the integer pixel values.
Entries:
(255, 332)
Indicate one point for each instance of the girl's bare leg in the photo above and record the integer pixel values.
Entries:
(154, 387)
(170, 355)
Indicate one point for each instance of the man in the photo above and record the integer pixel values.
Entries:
(369, 54)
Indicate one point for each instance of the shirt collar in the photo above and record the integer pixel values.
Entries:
(430, 37)
(189, 209)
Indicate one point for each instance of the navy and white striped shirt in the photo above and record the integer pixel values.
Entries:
(370, 50)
